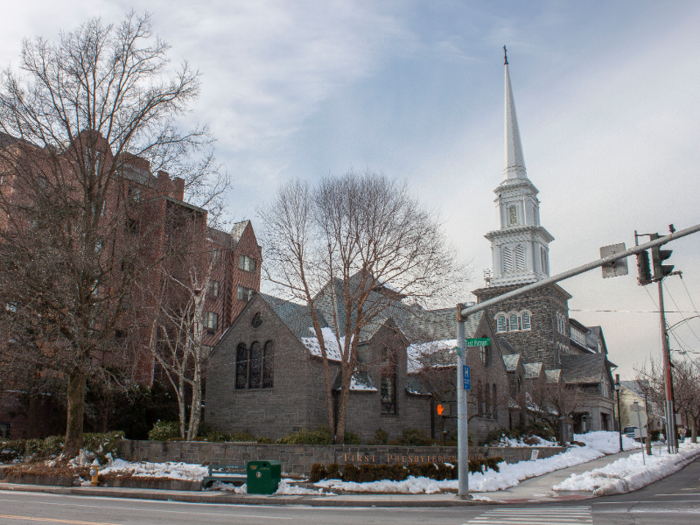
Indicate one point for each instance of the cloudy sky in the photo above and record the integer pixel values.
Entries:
(606, 93)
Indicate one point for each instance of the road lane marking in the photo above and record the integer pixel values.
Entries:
(539, 516)
(145, 509)
(54, 520)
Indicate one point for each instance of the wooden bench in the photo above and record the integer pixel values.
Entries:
(235, 474)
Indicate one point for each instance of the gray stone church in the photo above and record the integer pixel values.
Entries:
(266, 375)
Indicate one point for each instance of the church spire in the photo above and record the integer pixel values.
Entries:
(520, 247)
(514, 159)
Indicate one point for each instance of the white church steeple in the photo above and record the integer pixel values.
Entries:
(514, 159)
(520, 248)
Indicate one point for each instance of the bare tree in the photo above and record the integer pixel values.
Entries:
(177, 330)
(549, 401)
(81, 115)
(686, 389)
(354, 246)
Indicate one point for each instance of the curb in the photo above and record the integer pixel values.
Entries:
(235, 499)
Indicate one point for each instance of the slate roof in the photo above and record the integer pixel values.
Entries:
(297, 317)
(553, 376)
(583, 368)
(533, 370)
(511, 362)
(633, 386)
(219, 237)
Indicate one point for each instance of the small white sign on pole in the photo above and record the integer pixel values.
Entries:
(640, 432)
(617, 268)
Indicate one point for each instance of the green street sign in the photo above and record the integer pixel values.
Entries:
(484, 341)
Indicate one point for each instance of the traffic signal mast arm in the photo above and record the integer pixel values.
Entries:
(581, 269)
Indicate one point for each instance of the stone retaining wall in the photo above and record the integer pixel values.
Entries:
(298, 459)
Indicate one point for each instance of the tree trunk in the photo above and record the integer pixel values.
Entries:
(343, 405)
(76, 411)
(181, 403)
(196, 406)
(694, 430)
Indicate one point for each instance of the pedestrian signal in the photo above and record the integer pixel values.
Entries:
(443, 409)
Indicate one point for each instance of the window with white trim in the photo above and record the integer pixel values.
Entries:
(501, 324)
(246, 264)
(245, 294)
(578, 336)
(212, 322)
(513, 321)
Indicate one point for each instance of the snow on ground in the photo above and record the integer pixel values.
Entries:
(537, 441)
(597, 444)
(186, 471)
(410, 485)
(631, 473)
(217, 485)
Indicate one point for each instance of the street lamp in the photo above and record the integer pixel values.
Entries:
(619, 414)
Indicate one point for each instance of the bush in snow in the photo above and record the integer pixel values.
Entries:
(52, 446)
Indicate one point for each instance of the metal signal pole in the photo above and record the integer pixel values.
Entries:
(462, 421)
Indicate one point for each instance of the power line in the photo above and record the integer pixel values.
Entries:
(675, 303)
(607, 311)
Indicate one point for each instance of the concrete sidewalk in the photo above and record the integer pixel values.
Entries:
(533, 490)
(539, 489)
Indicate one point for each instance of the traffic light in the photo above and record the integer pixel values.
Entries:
(443, 409)
(643, 270)
(658, 256)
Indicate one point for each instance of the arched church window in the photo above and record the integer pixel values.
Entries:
(241, 367)
(501, 324)
(255, 365)
(513, 323)
(519, 257)
(525, 316)
(507, 260)
(268, 365)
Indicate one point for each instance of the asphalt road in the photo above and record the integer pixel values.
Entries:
(674, 500)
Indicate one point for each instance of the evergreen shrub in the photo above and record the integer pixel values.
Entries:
(164, 431)
(396, 472)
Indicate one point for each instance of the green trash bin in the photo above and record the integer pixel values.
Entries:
(263, 476)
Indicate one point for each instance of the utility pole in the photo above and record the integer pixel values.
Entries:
(619, 414)
(660, 270)
(672, 443)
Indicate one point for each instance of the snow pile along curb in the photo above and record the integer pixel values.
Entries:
(598, 444)
(630, 473)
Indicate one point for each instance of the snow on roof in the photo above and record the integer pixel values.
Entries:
(511, 362)
(362, 381)
(415, 352)
(553, 376)
(532, 370)
(333, 345)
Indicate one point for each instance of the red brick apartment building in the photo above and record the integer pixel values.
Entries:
(146, 230)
